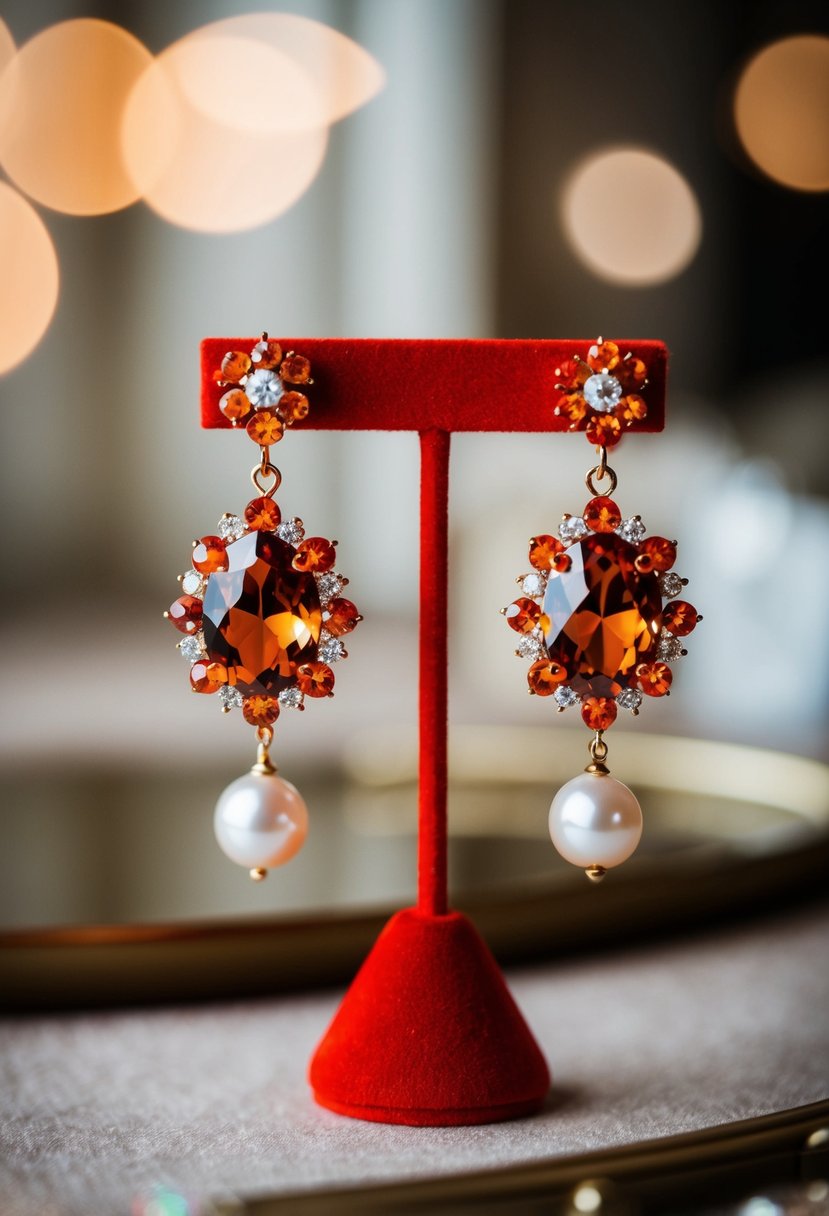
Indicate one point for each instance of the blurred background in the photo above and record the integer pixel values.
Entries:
(510, 168)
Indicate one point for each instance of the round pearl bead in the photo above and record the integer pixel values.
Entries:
(595, 821)
(261, 821)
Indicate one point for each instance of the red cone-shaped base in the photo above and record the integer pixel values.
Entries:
(428, 1034)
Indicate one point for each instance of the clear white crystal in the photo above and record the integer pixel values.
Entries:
(192, 583)
(231, 527)
(631, 530)
(329, 587)
(670, 584)
(530, 646)
(291, 531)
(668, 647)
(629, 698)
(230, 697)
(601, 391)
(331, 650)
(192, 647)
(534, 584)
(291, 698)
(564, 696)
(263, 388)
(572, 528)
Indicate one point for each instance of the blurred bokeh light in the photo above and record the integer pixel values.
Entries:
(631, 217)
(29, 283)
(781, 111)
(322, 75)
(66, 90)
(198, 171)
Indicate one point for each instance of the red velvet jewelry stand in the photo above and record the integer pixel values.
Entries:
(428, 1034)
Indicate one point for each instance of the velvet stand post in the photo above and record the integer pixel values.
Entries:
(428, 1033)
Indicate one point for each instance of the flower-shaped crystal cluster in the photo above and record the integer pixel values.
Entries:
(599, 618)
(602, 393)
(260, 390)
(261, 609)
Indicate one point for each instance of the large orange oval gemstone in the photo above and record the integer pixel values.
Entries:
(262, 618)
(605, 616)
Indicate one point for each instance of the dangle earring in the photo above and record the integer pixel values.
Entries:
(261, 610)
(599, 618)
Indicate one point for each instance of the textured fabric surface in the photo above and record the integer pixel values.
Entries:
(405, 384)
(96, 1109)
(429, 1032)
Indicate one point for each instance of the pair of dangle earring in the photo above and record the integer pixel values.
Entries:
(599, 617)
(261, 610)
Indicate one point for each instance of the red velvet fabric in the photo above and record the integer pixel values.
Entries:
(432, 895)
(428, 1034)
(453, 384)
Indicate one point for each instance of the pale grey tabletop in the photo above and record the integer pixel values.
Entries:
(97, 1110)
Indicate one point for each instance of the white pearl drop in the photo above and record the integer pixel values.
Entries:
(261, 821)
(595, 820)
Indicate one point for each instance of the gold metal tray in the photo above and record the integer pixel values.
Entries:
(729, 830)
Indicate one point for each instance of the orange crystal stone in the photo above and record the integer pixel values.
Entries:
(544, 677)
(603, 356)
(604, 430)
(631, 374)
(315, 680)
(573, 373)
(546, 553)
(234, 405)
(680, 618)
(263, 514)
(656, 553)
(602, 515)
(209, 555)
(186, 613)
(654, 678)
(235, 365)
(293, 407)
(571, 406)
(599, 713)
(523, 615)
(262, 618)
(341, 617)
(259, 710)
(603, 616)
(266, 353)
(631, 409)
(265, 427)
(316, 554)
(207, 677)
(296, 369)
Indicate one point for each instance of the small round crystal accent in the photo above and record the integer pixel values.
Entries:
(192, 583)
(632, 530)
(629, 698)
(192, 647)
(572, 528)
(668, 647)
(331, 650)
(670, 584)
(291, 531)
(534, 584)
(529, 646)
(329, 587)
(565, 696)
(291, 698)
(230, 697)
(263, 388)
(231, 527)
(602, 392)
